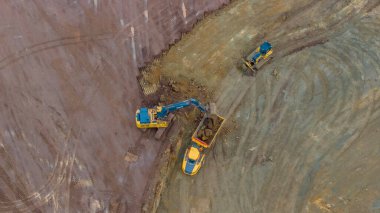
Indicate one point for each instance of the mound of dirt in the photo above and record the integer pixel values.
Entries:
(209, 128)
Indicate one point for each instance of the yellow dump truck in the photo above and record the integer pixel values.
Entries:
(202, 139)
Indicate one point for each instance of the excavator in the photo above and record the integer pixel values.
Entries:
(161, 116)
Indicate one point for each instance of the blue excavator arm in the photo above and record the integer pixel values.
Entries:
(179, 105)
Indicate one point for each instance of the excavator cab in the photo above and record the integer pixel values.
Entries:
(147, 118)
(143, 116)
(160, 116)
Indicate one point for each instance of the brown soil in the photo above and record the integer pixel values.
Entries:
(304, 141)
(68, 140)
(208, 129)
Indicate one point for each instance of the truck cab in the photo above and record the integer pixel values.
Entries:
(193, 159)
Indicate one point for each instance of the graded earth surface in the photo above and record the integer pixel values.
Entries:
(305, 140)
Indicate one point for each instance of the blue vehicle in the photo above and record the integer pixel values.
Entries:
(259, 57)
(193, 159)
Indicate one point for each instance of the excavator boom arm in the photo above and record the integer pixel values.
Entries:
(179, 105)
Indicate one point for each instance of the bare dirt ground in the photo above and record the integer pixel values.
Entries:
(68, 96)
(307, 142)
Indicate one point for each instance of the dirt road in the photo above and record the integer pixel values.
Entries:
(307, 142)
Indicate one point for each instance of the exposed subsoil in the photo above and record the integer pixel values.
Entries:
(209, 128)
(304, 141)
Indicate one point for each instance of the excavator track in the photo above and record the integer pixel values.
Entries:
(161, 132)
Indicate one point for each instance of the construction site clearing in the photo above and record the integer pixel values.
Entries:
(190, 106)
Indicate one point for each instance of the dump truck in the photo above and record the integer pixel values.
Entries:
(254, 61)
(201, 141)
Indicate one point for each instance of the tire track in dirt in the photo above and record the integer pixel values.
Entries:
(342, 104)
(350, 98)
(23, 200)
(42, 195)
(322, 134)
(43, 46)
(34, 199)
(344, 112)
(301, 127)
(264, 128)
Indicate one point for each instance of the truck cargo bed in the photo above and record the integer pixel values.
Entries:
(207, 129)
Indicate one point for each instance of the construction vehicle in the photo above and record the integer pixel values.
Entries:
(193, 159)
(258, 58)
(201, 140)
(160, 116)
